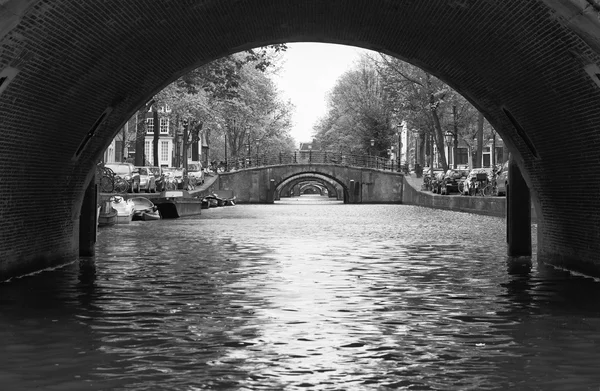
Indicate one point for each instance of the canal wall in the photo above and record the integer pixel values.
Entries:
(412, 195)
(210, 186)
(491, 206)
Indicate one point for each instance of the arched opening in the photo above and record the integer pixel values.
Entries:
(399, 316)
(527, 82)
(295, 185)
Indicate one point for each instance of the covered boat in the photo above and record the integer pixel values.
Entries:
(175, 207)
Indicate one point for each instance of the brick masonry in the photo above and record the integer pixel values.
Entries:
(65, 64)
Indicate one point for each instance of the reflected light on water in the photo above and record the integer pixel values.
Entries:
(303, 294)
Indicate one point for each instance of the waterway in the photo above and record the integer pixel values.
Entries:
(306, 294)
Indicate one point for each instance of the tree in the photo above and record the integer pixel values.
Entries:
(420, 98)
(357, 113)
(233, 102)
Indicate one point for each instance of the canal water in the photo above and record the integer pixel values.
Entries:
(306, 294)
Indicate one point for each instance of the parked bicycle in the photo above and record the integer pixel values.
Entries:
(106, 179)
(491, 189)
(191, 181)
(120, 185)
(170, 183)
(480, 182)
(109, 182)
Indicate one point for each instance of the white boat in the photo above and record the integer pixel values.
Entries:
(144, 209)
(124, 208)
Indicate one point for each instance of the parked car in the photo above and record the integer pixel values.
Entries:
(127, 172)
(451, 179)
(195, 170)
(502, 179)
(174, 177)
(477, 178)
(147, 179)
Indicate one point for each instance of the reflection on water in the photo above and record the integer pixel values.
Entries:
(304, 294)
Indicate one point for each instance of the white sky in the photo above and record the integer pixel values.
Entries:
(309, 72)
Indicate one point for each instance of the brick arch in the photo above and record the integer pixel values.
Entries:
(72, 74)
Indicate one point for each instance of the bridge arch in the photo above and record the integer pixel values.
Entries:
(70, 76)
(333, 185)
(312, 188)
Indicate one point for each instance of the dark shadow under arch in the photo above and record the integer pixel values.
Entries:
(68, 64)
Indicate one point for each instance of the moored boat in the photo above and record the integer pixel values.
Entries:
(214, 200)
(144, 209)
(124, 209)
(204, 203)
(174, 207)
(149, 216)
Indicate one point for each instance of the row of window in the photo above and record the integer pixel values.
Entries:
(164, 125)
(163, 150)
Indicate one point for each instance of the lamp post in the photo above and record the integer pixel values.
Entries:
(310, 153)
(399, 135)
(257, 154)
(248, 138)
(448, 136)
(370, 150)
(455, 154)
(226, 158)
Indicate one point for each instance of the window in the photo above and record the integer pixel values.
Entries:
(148, 151)
(165, 109)
(110, 156)
(462, 156)
(150, 125)
(499, 154)
(164, 125)
(486, 160)
(164, 151)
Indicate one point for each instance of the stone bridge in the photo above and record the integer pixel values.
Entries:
(351, 184)
(72, 73)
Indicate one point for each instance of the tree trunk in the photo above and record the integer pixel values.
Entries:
(439, 137)
(124, 136)
(186, 128)
(156, 132)
(140, 137)
(431, 151)
(455, 152)
(479, 153)
(422, 148)
(493, 154)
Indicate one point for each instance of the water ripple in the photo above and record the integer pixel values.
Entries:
(315, 295)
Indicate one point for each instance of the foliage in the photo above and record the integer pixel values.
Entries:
(358, 112)
(232, 99)
(375, 97)
(221, 78)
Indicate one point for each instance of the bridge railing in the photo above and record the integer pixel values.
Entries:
(307, 157)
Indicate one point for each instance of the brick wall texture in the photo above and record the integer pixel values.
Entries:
(522, 63)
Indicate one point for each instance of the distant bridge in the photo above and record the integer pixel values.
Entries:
(351, 178)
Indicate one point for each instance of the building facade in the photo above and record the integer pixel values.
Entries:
(170, 141)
